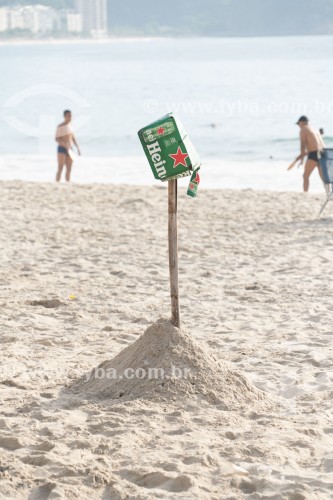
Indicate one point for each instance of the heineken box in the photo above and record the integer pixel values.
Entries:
(170, 152)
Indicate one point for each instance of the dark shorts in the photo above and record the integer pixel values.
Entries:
(314, 155)
(62, 150)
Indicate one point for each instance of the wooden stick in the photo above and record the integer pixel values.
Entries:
(292, 164)
(173, 253)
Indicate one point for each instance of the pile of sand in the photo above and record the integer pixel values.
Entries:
(165, 363)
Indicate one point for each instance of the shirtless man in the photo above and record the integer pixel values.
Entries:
(65, 139)
(312, 146)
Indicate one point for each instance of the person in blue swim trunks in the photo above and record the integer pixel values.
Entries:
(65, 139)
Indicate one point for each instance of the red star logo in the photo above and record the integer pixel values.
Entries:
(161, 131)
(197, 178)
(179, 158)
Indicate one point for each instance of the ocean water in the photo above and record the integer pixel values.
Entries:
(238, 98)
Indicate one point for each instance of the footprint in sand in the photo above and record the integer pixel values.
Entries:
(36, 460)
(179, 432)
(327, 464)
(44, 446)
(159, 480)
(107, 329)
(6, 339)
(10, 442)
(47, 303)
(47, 395)
(11, 383)
(42, 492)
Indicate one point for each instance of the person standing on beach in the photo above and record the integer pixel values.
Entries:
(65, 139)
(312, 146)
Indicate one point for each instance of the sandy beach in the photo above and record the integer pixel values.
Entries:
(84, 274)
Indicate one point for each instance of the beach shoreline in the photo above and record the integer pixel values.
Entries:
(148, 38)
(261, 175)
(70, 41)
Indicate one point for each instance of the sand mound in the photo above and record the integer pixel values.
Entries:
(167, 364)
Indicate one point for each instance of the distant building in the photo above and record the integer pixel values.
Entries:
(38, 19)
(45, 19)
(94, 16)
(90, 17)
(16, 19)
(30, 19)
(4, 19)
(74, 22)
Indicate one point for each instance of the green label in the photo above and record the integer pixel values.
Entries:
(194, 184)
(169, 151)
(159, 132)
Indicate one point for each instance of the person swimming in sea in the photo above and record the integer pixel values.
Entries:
(65, 139)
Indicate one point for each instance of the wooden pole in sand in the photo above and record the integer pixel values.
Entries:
(173, 252)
